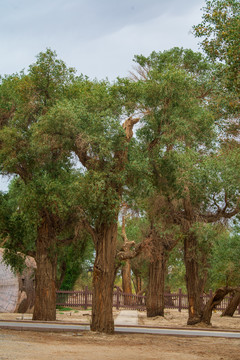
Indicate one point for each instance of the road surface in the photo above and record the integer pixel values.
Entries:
(60, 327)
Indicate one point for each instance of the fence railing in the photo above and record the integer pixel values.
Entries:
(179, 301)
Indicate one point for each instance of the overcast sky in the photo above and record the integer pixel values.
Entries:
(97, 37)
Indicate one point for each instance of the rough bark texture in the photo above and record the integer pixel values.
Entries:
(192, 280)
(103, 279)
(160, 247)
(156, 279)
(46, 259)
(155, 292)
(232, 306)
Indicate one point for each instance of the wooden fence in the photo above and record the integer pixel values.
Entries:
(83, 299)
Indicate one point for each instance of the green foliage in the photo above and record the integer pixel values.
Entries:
(224, 269)
(136, 230)
(17, 229)
(219, 32)
(49, 117)
(77, 259)
(45, 184)
(175, 277)
(174, 93)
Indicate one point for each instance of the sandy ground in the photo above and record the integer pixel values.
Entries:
(26, 345)
(172, 318)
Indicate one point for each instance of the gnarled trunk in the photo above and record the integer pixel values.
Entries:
(156, 284)
(232, 306)
(104, 273)
(45, 286)
(192, 280)
(212, 303)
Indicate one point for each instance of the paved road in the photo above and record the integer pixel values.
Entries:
(54, 327)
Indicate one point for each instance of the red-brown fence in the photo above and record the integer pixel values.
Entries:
(83, 298)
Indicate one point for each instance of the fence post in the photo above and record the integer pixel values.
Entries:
(86, 298)
(180, 300)
(118, 298)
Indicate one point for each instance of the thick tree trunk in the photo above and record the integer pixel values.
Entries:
(232, 306)
(192, 280)
(127, 282)
(45, 286)
(212, 303)
(156, 284)
(104, 273)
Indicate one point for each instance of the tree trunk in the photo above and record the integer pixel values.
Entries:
(138, 284)
(126, 282)
(45, 286)
(192, 280)
(232, 306)
(104, 273)
(212, 303)
(156, 284)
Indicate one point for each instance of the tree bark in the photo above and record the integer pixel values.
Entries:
(127, 282)
(232, 306)
(156, 284)
(192, 280)
(45, 286)
(137, 282)
(212, 303)
(104, 273)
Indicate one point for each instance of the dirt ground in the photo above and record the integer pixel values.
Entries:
(28, 345)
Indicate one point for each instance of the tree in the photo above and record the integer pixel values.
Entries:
(176, 88)
(43, 188)
(220, 29)
(220, 32)
(95, 133)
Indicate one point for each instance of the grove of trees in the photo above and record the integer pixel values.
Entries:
(138, 167)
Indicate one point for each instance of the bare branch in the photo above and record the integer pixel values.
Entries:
(221, 213)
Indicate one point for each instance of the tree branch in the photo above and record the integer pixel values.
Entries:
(85, 223)
(127, 253)
(221, 213)
(128, 127)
